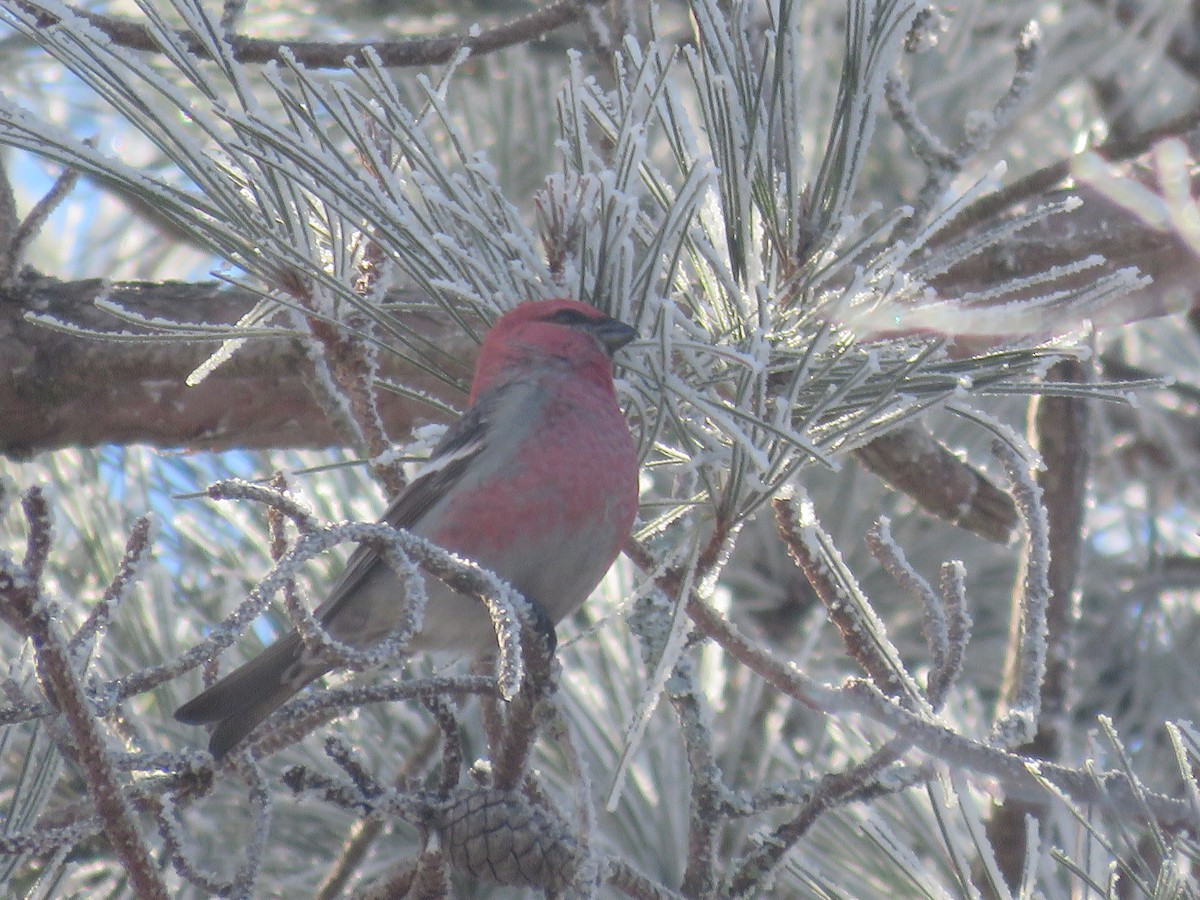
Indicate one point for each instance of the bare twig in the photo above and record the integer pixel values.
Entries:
(338, 54)
(14, 242)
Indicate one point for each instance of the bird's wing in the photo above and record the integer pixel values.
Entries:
(450, 461)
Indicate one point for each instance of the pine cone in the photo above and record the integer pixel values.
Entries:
(503, 838)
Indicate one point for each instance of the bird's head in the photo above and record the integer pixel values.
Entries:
(560, 332)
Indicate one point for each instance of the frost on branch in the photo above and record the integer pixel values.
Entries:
(719, 175)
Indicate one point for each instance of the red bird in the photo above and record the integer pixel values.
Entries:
(537, 481)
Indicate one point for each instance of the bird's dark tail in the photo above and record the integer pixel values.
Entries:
(246, 696)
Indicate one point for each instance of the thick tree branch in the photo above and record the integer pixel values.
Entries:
(59, 390)
(912, 460)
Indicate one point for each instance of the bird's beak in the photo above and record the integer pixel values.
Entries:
(612, 334)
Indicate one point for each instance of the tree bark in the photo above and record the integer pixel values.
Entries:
(63, 390)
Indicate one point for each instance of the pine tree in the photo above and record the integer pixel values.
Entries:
(909, 605)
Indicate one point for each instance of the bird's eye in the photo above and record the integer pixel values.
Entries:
(570, 317)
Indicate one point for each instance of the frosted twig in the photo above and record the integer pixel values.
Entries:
(301, 716)
(41, 530)
(26, 609)
(273, 497)
(452, 751)
(164, 811)
(277, 537)
(526, 710)
(44, 840)
(340, 654)
(925, 145)
(347, 760)
(128, 572)
(933, 738)
(358, 365)
(22, 709)
(863, 632)
(16, 243)
(1041, 182)
(621, 876)
(341, 793)
(354, 365)
(661, 626)
(1058, 425)
(944, 164)
(890, 555)
(707, 786)
(1061, 425)
(1026, 666)
(945, 628)
(558, 731)
(367, 831)
(958, 633)
(831, 791)
(260, 810)
(463, 576)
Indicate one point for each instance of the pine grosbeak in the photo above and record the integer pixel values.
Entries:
(537, 481)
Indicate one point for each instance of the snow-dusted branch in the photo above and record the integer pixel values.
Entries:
(25, 607)
(1026, 665)
(942, 162)
(708, 790)
(863, 632)
(135, 35)
(1017, 773)
(832, 790)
